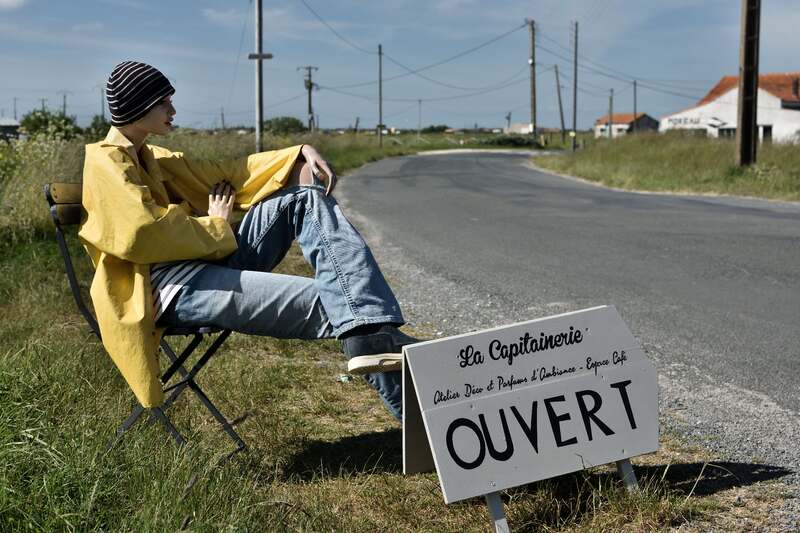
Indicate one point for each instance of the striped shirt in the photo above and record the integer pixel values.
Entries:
(166, 279)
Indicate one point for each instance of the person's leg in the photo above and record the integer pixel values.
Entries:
(252, 302)
(350, 284)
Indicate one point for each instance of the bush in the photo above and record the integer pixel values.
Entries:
(284, 126)
(435, 129)
(97, 130)
(9, 162)
(520, 141)
(51, 125)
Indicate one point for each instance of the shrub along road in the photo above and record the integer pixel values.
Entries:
(709, 285)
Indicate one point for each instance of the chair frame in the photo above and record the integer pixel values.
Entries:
(64, 200)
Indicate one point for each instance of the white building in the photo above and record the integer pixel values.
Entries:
(523, 128)
(778, 115)
(623, 123)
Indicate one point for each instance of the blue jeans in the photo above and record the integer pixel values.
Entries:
(348, 289)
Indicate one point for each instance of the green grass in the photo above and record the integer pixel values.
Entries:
(680, 163)
(324, 455)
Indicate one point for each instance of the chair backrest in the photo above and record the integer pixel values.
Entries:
(66, 209)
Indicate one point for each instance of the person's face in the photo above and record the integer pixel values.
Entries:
(158, 120)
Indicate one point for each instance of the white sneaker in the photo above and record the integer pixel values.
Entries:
(381, 362)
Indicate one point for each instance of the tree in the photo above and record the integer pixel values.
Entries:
(435, 129)
(45, 122)
(284, 125)
(98, 129)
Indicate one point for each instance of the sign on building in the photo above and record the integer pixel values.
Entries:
(508, 406)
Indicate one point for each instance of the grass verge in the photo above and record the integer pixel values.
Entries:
(680, 163)
(324, 454)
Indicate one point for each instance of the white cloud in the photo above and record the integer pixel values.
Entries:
(75, 40)
(451, 6)
(132, 4)
(229, 19)
(12, 4)
(88, 27)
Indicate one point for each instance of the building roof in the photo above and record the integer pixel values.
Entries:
(780, 84)
(619, 118)
(5, 121)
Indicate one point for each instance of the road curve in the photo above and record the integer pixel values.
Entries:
(710, 285)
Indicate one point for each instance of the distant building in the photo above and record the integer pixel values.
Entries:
(9, 128)
(778, 114)
(518, 127)
(623, 123)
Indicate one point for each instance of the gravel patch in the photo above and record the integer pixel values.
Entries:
(733, 423)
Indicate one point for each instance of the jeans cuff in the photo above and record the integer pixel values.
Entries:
(385, 319)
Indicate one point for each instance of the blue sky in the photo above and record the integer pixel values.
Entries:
(674, 46)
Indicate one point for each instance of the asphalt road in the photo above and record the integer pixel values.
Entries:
(711, 285)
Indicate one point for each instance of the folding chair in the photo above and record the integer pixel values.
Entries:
(64, 200)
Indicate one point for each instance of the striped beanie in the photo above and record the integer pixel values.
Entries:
(133, 89)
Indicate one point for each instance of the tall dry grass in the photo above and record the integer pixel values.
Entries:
(680, 163)
(324, 455)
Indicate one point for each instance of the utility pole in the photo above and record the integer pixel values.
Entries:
(611, 115)
(357, 119)
(15, 107)
(508, 122)
(633, 128)
(380, 96)
(575, 91)
(747, 115)
(222, 116)
(560, 107)
(43, 104)
(309, 82)
(64, 101)
(419, 118)
(258, 57)
(532, 63)
(101, 89)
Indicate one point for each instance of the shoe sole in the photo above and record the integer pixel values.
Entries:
(381, 362)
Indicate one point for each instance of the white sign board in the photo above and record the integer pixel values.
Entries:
(512, 405)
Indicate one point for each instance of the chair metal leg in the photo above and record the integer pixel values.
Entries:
(126, 425)
(158, 413)
(178, 362)
(188, 381)
(240, 445)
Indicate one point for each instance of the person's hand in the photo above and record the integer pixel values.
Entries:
(220, 200)
(319, 167)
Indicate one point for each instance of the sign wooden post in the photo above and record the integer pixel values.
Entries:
(508, 406)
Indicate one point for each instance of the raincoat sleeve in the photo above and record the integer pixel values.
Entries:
(254, 177)
(124, 221)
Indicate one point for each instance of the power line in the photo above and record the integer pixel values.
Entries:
(449, 85)
(336, 33)
(437, 63)
(451, 97)
(238, 56)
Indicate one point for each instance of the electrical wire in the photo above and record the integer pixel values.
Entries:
(336, 33)
(435, 64)
(238, 57)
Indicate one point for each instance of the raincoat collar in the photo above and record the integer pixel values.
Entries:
(147, 161)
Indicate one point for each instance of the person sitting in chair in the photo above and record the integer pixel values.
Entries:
(162, 234)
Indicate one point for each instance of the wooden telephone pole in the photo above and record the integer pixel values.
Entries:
(309, 84)
(259, 56)
(575, 91)
(380, 95)
(532, 63)
(746, 120)
(560, 107)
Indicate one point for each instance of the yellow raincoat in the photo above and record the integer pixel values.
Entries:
(133, 220)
